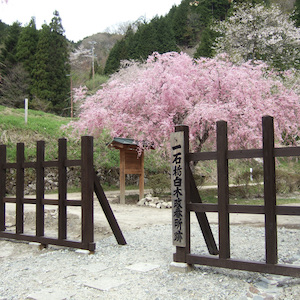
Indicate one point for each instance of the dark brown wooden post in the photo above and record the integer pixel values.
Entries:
(182, 252)
(87, 192)
(62, 189)
(40, 185)
(20, 189)
(2, 186)
(269, 190)
(142, 178)
(122, 176)
(223, 189)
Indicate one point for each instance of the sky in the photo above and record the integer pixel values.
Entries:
(83, 18)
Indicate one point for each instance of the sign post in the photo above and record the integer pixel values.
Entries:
(26, 110)
(178, 189)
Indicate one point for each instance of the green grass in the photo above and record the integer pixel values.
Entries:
(211, 196)
(40, 126)
(49, 128)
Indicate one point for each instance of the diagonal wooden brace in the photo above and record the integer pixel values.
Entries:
(202, 218)
(108, 211)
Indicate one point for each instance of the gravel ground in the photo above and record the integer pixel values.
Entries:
(141, 269)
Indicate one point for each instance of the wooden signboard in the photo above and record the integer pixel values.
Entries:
(178, 189)
(130, 163)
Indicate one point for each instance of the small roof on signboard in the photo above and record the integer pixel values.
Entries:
(118, 143)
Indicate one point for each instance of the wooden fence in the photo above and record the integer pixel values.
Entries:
(89, 184)
(193, 203)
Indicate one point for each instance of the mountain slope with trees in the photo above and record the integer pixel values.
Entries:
(35, 65)
(30, 68)
(187, 28)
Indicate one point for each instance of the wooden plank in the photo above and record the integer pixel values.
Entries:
(246, 209)
(178, 189)
(133, 171)
(241, 209)
(201, 156)
(142, 178)
(20, 189)
(223, 189)
(122, 176)
(288, 210)
(108, 211)
(132, 161)
(261, 267)
(245, 153)
(47, 240)
(73, 162)
(202, 218)
(232, 154)
(10, 165)
(2, 186)
(180, 192)
(287, 151)
(50, 164)
(62, 189)
(203, 207)
(87, 190)
(40, 187)
(269, 190)
(29, 164)
(45, 201)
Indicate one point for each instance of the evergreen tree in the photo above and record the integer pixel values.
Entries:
(41, 84)
(165, 39)
(60, 65)
(131, 43)
(209, 11)
(3, 31)
(179, 23)
(253, 2)
(116, 54)
(296, 16)
(13, 80)
(155, 36)
(26, 47)
(51, 82)
(26, 50)
(147, 42)
(207, 40)
(8, 52)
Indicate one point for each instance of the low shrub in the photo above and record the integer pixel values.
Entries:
(159, 183)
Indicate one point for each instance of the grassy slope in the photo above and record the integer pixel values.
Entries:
(49, 128)
(40, 126)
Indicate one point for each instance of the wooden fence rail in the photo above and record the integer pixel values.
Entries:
(270, 209)
(89, 184)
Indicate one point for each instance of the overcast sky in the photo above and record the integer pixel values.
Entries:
(83, 18)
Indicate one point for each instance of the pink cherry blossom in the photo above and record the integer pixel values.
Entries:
(144, 101)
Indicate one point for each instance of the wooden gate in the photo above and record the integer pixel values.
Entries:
(186, 199)
(89, 184)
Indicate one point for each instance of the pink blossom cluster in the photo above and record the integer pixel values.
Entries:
(145, 101)
(194, 3)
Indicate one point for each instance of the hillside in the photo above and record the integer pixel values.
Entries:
(49, 128)
(81, 57)
(40, 126)
(186, 28)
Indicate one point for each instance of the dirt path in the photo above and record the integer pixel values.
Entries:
(129, 217)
